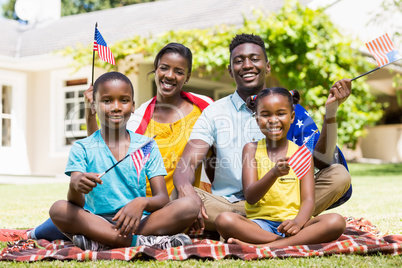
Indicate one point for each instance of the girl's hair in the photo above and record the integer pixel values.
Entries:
(180, 49)
(110, 76)
(293, 97)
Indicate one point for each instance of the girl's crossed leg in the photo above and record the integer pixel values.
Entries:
(239, 230)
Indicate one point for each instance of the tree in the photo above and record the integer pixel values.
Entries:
(72, 7)
(306, 53)
(8, 9)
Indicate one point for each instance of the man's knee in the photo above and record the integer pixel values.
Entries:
(187, 207)
(342, 177)
(337, 176)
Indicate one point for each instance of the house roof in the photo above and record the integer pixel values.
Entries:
(123, 22)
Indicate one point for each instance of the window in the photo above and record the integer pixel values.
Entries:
(5, 116)
(74, 110)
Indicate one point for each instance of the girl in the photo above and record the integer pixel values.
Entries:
(279, 206)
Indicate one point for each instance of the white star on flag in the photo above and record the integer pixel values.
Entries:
(299, 123)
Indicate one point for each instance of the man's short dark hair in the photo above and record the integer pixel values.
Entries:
(243, 38)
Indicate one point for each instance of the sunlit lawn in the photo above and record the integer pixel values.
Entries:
(376, 197)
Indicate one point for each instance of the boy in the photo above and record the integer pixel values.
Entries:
(114, 211)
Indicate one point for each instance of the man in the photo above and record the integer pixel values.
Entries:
(227, 125)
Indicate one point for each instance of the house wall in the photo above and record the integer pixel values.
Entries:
(383, 142)
(41, 126)
(47, 152)
(13, 156)
(45, 127)
(144, 84)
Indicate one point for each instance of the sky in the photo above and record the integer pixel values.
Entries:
(356, 17)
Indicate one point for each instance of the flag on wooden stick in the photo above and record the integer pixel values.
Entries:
(140, 157)
(383, 51)
(104, 51)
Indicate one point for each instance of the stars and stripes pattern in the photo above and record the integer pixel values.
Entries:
(140, 157)
(302, 127)
(104, 51)
(383, 50)
(300, 161)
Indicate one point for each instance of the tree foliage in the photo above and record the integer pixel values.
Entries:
(8, 9)
(305, 50)
(72, 7)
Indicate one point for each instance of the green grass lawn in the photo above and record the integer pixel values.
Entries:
(376, 197)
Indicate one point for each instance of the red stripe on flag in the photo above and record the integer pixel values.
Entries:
(374, 52)
(137, 159)
(295, 159)
(385, 43)
(105, 54)
(303, 171)
(379, 52)
(379, 48)
(302, 168)
(301, 161)
(379, 44)
(389, 41)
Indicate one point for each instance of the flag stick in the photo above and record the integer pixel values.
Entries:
(93, 57)
(310, 136)
(366, 73)
(139, 147)
(374, 70)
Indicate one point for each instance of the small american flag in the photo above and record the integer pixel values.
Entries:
(140, 157)
(300, 161)
(383, 50)
(104, 51)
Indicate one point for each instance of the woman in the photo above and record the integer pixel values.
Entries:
(171, 114)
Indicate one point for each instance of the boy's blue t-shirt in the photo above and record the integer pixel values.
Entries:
(120, 185)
